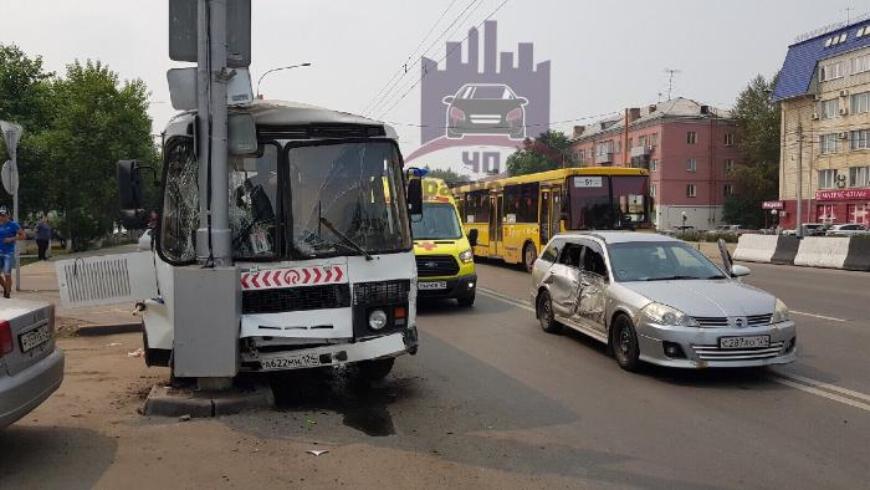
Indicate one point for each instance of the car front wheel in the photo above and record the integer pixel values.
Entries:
(624, 343)
(544, 311)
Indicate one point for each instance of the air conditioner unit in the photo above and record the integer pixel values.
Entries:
(843, 111)
(843, 135)
(844, 93)
(815, 116)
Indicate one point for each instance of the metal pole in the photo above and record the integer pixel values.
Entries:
(14, 155)
(220, 229)
(800, 171)
(203, 237)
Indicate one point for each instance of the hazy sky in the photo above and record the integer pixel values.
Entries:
(606, 55)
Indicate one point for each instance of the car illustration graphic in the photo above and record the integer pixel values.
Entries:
(485, 108)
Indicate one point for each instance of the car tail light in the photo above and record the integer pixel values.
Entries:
(515, 115)
(457, 114)
(6, 344)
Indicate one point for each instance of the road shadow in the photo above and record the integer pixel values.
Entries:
(53, 457)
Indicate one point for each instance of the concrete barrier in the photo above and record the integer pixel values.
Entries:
(756, 248)
(828, 252)
(786, 250)
(858, 258)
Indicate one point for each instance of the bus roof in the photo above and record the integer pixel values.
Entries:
(283, 113)
(557, 175)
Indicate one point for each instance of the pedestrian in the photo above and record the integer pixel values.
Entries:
(9, 233)
(43, 238)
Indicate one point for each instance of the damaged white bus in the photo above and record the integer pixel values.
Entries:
(324, 268)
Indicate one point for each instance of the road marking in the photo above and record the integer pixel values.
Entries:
(821, 317)
(828, 391)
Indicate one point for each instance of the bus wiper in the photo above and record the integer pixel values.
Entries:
(345, 238)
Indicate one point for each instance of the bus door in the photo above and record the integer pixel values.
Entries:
(555, 210)
(495, 225)
(545, 231)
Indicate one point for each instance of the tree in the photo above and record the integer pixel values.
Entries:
(756, 179)
(550, 150)
(447, 175)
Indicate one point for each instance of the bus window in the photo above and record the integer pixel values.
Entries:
(629, 196)
(589, 203)
(521, 203)
(477, 207)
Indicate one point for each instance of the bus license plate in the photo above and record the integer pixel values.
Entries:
(298, 361)
(754, 342)
(34, 338)
(431, 285)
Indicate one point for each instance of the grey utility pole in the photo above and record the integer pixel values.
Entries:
(11, 135)
(800, 174)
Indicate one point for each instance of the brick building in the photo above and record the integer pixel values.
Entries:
(688, 147)
(824, 87)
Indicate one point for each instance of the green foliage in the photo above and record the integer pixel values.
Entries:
(757, 178)
(549, 151)
(76, 128)
(447, 175)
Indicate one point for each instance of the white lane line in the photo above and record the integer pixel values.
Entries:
(821, 317)
(802, 383)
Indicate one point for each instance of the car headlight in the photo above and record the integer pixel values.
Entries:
(665, 315)
(466, 256)
(780, 312)
(377, 319)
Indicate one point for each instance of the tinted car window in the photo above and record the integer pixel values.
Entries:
(550, 253)
(594, 262)
(571, 255)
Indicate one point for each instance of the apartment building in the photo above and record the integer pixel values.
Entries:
(824, 89)
(689, 148)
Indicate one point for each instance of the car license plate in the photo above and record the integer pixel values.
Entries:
(34, 338)
(298, 361)
(754, 342)
(431, 285)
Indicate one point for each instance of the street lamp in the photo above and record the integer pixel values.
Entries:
(280, 68)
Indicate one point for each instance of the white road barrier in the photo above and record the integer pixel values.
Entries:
(823, 252)
(756, 248)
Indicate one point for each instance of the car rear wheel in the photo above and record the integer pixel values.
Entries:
(530, 255)
(544, 312)
(624, 344)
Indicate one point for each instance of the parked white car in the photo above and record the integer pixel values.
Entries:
(848, 229)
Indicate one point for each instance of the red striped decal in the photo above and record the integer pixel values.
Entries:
(300, 276)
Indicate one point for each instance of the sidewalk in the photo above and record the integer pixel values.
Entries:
(39, 283)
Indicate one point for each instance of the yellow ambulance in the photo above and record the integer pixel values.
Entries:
(445, 262)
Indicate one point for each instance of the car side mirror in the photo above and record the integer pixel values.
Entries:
(415, 198)
(472, 237)
(448, 99)
(738, 270)
(129, 184)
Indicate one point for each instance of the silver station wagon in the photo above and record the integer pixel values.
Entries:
(656, 299)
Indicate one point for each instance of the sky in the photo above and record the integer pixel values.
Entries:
(605, 55)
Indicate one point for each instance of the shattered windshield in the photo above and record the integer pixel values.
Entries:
(347, 199)
(253, 199)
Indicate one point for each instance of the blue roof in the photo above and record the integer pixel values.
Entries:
(802, 58)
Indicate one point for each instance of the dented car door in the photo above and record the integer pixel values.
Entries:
(592, 288)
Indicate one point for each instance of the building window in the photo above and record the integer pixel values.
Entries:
(691, 165)
(652, 190)
(832, 71)
(691, 190)
(826, 213)
(829, 108)
(581, 156)
(618, 146)
(655, 139)
(859, 177)
(653, 165)
(860, 139)
(729, 139)
(828, 143)
(860, 103)
(858, 213)
(728, 190)
(861, 63)
(729, 166)
(827, 179)
(691, 138)
(605, 148)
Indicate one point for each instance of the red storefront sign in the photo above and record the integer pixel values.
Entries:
(772, 205)
(843, 195)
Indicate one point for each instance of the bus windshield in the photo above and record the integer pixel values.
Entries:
(346, 198)
(438, 223)
(605, 202)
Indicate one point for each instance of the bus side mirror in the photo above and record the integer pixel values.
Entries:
(472, 237)
(415, 197)
(130, 198)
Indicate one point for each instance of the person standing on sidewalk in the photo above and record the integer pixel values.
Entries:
(43, 237)
(9, 233)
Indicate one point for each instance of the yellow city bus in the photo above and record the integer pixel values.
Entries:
(511, 218)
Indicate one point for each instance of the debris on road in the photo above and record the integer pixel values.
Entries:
(184, 418)
(317, 452)
(136, 353)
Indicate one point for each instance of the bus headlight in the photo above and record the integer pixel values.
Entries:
(377, 319)
(467, 256)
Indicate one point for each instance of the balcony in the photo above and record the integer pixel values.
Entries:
(604, 158)
(641, 151)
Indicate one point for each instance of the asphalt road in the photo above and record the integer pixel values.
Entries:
(490, 401)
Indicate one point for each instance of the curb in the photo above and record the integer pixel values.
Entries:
(167, 402)
(100, 330)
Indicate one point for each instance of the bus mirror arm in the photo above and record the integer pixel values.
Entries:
(415, 197)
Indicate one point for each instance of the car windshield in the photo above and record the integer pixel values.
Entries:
(347, 199)
(660, 261)
(439, 222)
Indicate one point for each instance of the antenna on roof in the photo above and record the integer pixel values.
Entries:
(848, 15)
(671, 72)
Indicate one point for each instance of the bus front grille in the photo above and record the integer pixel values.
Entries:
(296, 299)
